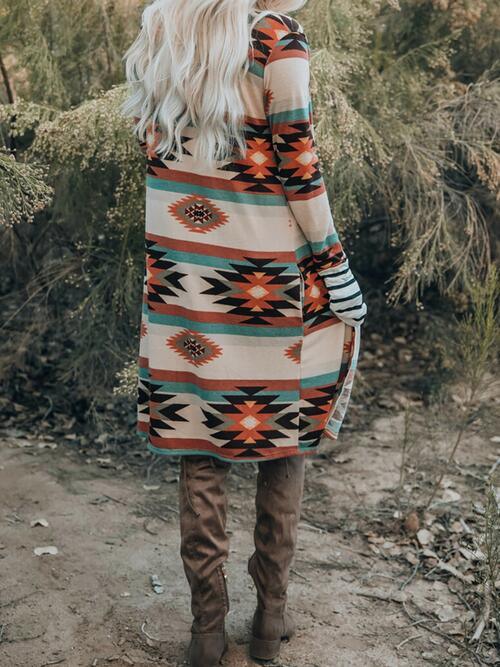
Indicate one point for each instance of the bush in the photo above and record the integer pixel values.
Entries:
(405, 106)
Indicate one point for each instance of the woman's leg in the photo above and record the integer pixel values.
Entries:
(204, 549)
(280, 486)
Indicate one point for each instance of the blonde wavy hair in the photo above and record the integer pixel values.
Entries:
(186, 68)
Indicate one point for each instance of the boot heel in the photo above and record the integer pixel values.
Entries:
(264, 649)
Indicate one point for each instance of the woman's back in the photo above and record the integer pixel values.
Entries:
(254, 179)
(241, 355)
(249, 335)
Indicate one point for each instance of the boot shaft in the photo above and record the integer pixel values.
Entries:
(204, 542)
(280, 487)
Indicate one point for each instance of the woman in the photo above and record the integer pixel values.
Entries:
(250, 326)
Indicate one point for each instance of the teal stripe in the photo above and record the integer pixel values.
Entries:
(213, 193)
(319, 380)
(316, 246)
(284, 41)
(210, 394)
(210, 260)
(305, 447)
(303, 251)
(290, 115)
(191, 388)
(265, 330)
(187, 452)
(319, 246)
(334, 426)
(256, 68)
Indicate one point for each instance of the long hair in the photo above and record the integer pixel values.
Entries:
(186, 68)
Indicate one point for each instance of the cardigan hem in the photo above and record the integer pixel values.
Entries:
(200, 452)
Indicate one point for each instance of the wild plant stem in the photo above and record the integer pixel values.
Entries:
(460, 435)
(6, 81)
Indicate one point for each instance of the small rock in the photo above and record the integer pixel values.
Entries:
(405, 355)
(411, 558)
(104, 461)
(429, 518)
(39, 522)
(395, 551)
(424, 537)
(388, 545)
(450, 496)
(412, 523)
(24, 443)
(47, 445)
(387, 403)
(171, 479)
(45, 551)
(446, 613)
(156, 584)
(439, 586)
(472, 555)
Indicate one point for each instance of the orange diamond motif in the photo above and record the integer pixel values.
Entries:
(293, 352)
(260, 158)
(315, 293)
(198, 214)
(194, 347)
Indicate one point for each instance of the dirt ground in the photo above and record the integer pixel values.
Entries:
(360, 589)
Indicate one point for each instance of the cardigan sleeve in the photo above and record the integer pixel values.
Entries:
(289, 114)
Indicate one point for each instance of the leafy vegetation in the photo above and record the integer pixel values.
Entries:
(406, 102)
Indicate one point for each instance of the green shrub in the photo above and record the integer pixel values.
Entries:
(405, 107)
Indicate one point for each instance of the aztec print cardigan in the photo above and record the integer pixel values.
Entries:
(251, 316)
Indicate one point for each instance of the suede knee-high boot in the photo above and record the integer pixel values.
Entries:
(280, 485)
(204, 549)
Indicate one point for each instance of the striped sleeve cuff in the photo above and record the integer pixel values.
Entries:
(346, 299)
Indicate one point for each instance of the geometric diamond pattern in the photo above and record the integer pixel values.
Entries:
(162, 275)
(157, 406)
(198, 214)
(298, 161)
(272, 31)
(316, 307)
(259, 165)
(217, 409)
(257, 171)
(314, 411)
(293, 352)
(194, 347)
(250, 420)
(258, 290)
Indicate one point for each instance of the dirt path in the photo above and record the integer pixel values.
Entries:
(92, 604)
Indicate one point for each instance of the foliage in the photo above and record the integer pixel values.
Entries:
(474, 351)
(404, 139)
(61, 53)
(92, 247)
(23, 191)
(491, 564)
(405, 106)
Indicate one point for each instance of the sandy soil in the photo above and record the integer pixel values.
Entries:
(92, 604)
